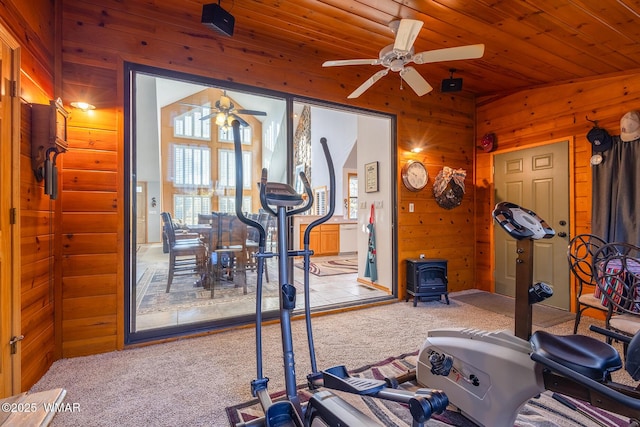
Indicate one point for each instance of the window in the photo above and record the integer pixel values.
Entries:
(320, 200)
(190, 125)
(225, 134)
(227, 169)
(352, 199)
(191, 165)
(187, 207)
(227, 204)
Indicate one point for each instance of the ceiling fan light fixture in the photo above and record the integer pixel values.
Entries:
(221, 119)
(225, 102)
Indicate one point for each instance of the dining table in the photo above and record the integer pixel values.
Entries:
(225, 237)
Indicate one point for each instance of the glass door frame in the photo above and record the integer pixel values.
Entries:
(130, 71)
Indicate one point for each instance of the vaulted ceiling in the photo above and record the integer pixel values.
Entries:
(527, 42)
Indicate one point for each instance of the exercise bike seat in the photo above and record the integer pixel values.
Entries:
(585, 355)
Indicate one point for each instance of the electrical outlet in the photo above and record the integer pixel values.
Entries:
(410, 207)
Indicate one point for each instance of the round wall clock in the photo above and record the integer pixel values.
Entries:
(414, 175)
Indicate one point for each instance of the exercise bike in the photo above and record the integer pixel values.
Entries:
(490, 376)
(323, 408)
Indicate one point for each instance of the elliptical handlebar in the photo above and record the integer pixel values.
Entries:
(263, 193)
(235, 124)
(332, 192)
(308, 191)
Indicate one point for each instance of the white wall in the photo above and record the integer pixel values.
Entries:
(372, 138)
(148, 151)
(374, 145)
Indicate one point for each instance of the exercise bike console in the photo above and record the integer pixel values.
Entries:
(521, 223)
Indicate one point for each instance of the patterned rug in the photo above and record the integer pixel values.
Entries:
(332, 267)
(187, 292)
(541, 411)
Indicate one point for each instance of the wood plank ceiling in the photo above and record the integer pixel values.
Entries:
(528, 43)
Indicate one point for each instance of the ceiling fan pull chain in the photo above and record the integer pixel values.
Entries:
(401, 88)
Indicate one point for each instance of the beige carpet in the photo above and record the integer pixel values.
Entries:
(190, 382)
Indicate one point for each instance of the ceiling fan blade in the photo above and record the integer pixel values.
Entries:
(366, 85)
(252, 112)
(341, 62)
(419, 85)
(208, 116)
(407, 33)
(239, 119)
(449, 54)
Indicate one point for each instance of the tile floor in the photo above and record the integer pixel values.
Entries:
(324, 292)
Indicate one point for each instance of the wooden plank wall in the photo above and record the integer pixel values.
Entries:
(98, 36)
(538, 116)
(32, 25)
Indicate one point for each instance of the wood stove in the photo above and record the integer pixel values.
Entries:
(427, 279)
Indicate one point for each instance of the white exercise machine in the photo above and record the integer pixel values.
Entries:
(489, 376)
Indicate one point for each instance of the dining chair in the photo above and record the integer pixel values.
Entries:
(229, 246)
(187, 256)
(580, 254)
(617, 268)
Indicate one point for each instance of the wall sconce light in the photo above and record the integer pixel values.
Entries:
(48, 139)
(84, 106)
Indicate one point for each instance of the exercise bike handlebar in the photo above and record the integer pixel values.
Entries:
(332, 188)
(235, 125)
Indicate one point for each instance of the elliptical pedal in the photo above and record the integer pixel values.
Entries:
(337, 378)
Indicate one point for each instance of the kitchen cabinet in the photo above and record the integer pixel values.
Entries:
(324, 239)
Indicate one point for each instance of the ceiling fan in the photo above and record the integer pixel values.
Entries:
(396, 56)
(227, 112)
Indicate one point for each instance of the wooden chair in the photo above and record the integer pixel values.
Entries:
(229, 239)
(187, 256)
(617, 269)
(580, 254)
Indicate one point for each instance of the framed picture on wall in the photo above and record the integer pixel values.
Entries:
(371, 177)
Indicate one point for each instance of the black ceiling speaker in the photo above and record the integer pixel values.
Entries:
(451, 84)
(214, 16)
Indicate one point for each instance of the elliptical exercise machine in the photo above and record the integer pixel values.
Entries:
(323, 408)
(489, 376)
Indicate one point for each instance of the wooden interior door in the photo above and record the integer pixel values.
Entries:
(536, 179)
(9, 221)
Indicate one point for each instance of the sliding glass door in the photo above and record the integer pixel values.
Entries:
(191, 265)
